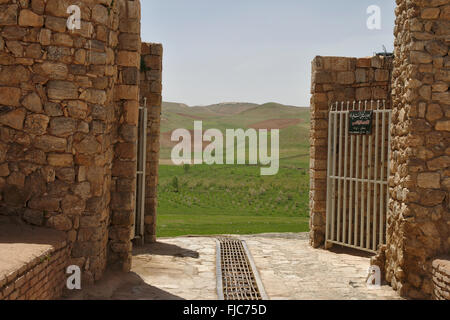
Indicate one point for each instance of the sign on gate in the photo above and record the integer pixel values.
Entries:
(360, 122)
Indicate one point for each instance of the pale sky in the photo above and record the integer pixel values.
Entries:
(256, 50)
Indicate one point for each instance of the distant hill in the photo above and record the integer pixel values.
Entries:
(227, 108)
(293, 122)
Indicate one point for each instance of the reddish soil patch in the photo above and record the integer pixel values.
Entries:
(275, 124)
(167, 142)
(190, 116)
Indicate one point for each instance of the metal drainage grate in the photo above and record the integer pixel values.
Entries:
(237, 276)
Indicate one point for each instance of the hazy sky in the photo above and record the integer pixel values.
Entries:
(256, 50)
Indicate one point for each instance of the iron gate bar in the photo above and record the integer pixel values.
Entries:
(237, 276)
(351, 209)
(345, 174)
(139, 225)
(375, 185)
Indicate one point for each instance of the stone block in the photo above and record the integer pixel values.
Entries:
(55, 24)
(62, 90)
(60, 160)
(33, 103)
(322, 77)
(36, 124)
(13, 119)
(57, 8)
(34, 217)
(124, 169)
(62, 126)
(100, 14)
(89, 145)
(94, 96)
(364, 93)
(129, 42)
(14, 75)
(420, 57)
(434, 112)
(443, 125)
(10, 96)
(346, 78)
(430, 13)
(381, 75)
(46, 203)
(77, 109)
(50, 143)
(126, 92)
(441, 97)
(65, 174)
(128, 59)
(8, 14)
(73, 205)
(361, 75)
(28, 18)
(364, 62)
(429, 180)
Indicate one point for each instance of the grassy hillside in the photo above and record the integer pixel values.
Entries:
(204, 200)
(294, 133)
(235, 199)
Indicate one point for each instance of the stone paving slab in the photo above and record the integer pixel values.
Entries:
(292, 270)
(185, 268)
(172, 269)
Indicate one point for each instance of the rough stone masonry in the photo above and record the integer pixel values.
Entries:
(419, 220)
(418, 224)
(336, 79)
(68, 123)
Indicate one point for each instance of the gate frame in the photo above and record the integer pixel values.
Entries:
(379, 178)
(139, 221)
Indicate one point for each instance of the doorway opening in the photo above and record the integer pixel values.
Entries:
(204, 199)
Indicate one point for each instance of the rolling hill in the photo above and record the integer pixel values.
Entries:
(293, 122)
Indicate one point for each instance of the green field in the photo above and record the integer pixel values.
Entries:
(235, 199)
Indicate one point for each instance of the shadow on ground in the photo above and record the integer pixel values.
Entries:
(350, 251)
(166, 249)
(120, 286)
(170, 269)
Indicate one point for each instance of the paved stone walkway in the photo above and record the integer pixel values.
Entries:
(185, 268)
(292, 270)
(172, 269)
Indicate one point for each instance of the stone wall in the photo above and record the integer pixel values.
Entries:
(441, 278)
(419, 218)
(69, 107)
(337, 79)
(42, 278)
(151, 88)
(126, 97)
(57, 121)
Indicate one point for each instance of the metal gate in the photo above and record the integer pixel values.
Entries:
(139, 226)
(357, 178)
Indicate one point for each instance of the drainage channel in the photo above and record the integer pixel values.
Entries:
(237, 276)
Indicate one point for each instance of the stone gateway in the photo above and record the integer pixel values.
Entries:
(69, 106)
(415, 83)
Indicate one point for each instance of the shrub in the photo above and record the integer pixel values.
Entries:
(175, 184)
